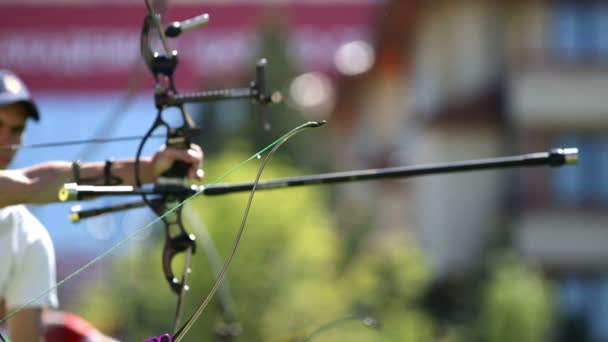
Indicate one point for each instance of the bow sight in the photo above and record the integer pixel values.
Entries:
(163, 67)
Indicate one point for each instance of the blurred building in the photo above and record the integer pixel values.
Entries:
(474, 79)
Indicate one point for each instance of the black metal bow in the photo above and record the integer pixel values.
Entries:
(166, 204)
(177, 239)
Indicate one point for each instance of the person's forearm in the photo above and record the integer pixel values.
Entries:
(37, 184)
(26, 326)
(121, 170)
(41, 183)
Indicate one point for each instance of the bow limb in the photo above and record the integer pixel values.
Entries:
(179, 335)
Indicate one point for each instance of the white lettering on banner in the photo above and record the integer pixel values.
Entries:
(74, 52)
(216, 53)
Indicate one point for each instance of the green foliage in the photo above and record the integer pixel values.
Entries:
(517, 304)
(285, 281)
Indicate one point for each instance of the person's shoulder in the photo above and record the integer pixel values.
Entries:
(7, 228)
(19, 219)
(10, 215)
(15, 212)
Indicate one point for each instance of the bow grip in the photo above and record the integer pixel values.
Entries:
(179, 169)
(177, 138)
(172, 247)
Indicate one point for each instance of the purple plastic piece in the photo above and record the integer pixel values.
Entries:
(160, 338)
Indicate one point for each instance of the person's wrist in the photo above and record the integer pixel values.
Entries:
(147, 170)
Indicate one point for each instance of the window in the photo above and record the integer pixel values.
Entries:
(578, 31)
(586, 184)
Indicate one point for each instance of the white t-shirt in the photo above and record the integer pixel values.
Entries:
(27, 260)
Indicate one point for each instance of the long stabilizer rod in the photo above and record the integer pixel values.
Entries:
(555, 157)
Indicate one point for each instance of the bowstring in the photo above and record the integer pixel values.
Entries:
(76, 142)
(103, 255)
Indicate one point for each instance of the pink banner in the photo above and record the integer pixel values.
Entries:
(96, 47)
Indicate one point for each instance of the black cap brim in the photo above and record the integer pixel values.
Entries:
(31, 109)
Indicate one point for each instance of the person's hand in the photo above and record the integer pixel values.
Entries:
(164, 158)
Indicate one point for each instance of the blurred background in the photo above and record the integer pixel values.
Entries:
(517, 255)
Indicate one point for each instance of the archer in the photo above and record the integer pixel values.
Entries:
(27, 262)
